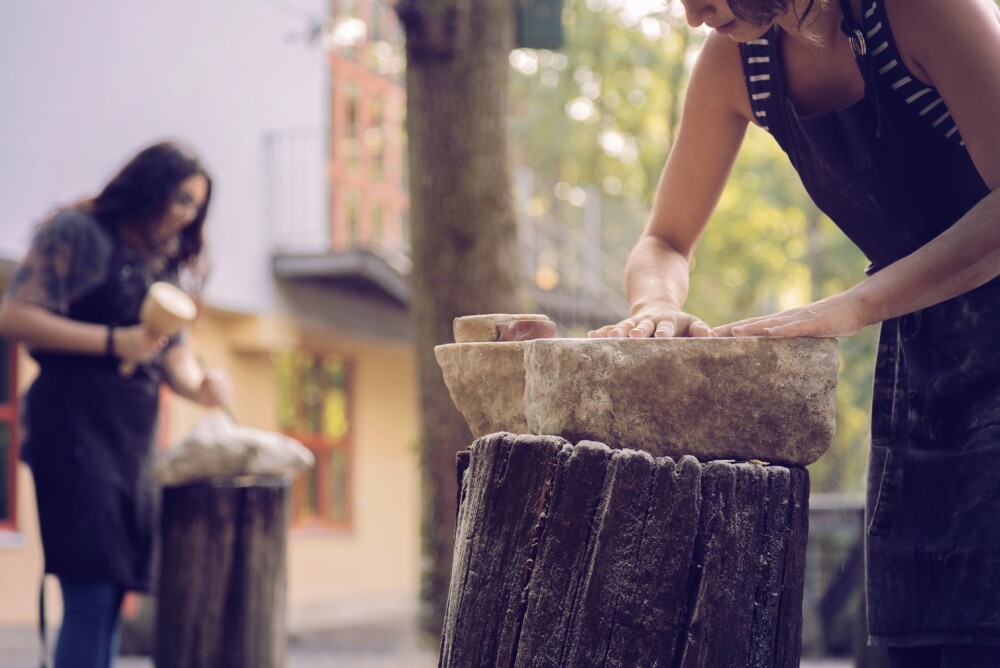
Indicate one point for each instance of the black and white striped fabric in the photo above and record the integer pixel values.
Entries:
(758, 68)
(885, 57)
(761, 68)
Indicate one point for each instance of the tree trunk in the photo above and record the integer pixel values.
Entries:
(582, 555)
(221, 602)
(463, 228)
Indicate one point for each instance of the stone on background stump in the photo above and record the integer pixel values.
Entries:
(221, 601)
(577, 555)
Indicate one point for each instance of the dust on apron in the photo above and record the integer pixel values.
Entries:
(892, 181)
(90, 435)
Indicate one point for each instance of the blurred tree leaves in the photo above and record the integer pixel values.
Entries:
(601, 115)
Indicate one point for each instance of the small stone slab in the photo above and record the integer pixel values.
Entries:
(502, 327)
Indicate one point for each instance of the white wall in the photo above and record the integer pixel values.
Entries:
(84, 84)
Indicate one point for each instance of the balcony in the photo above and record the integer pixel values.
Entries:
(331, 236)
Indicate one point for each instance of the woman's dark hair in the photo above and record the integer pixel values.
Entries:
(762, 12)
(140, 195)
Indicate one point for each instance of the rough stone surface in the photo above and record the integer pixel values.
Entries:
(487, 328)
(715, 398)
(486, 383)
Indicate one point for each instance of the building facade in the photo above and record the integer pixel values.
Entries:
(304, 143)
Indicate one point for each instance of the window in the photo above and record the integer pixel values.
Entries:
(378, 239)
(352, 218)
(375, 29)
(352, 129)
(8, 435)
(375, 141)
(314, 407)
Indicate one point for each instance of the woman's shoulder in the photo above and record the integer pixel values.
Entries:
(719, 77)
(922, 28)
(69, 256)
(77, 228)
(75, 220)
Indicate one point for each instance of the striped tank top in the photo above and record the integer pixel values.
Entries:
(761, 69)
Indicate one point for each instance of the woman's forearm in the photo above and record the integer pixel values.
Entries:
(188, 377)
(183, 373)
(40, 329)
(656, 276)
(960, 259)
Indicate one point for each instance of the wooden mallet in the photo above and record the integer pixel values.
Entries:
(165, 309)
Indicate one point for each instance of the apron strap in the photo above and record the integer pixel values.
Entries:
(42, 630)
(859, 46)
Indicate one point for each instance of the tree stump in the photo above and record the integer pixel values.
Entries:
(221, 601)
(588, 556)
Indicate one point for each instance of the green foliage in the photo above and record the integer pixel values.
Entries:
(768, 248)
(601, 114)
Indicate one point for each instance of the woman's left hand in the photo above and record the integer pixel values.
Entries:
(216, 389)
(836, 316)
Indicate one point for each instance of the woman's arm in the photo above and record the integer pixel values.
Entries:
(956, 46)
(716, 109)
(41, 329)
(188, 378)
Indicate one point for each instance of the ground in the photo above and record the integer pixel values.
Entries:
(387, 645)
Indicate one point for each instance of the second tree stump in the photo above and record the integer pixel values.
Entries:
(221, 602)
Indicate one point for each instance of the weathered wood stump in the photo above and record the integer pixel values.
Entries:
(221, 600)
(587, 556)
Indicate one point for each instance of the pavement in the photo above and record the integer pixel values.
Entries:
(390, 644)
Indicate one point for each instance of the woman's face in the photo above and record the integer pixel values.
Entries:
(184, 206)
(717, 14)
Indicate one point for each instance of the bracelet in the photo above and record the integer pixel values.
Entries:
(109, 343)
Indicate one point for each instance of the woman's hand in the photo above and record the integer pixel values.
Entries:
(136, 344)
(215, 389)
(656, 323)
(836, 316)
(189, 377)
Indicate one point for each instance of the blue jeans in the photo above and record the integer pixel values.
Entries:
(91, 623)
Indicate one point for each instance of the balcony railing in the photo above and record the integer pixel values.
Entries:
(296, 190)
(571, 277)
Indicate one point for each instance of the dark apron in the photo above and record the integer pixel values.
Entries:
(892, 183)
(89, 442)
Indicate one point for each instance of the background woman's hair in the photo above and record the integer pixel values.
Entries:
(140, 195)
(762, 12)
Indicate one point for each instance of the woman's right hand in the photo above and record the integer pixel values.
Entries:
(136, 344)
(662, 323)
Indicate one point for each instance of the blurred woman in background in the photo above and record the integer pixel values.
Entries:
(89, 430)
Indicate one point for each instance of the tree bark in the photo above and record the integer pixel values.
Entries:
(463, 228)
(583, 555)
(221, 602)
